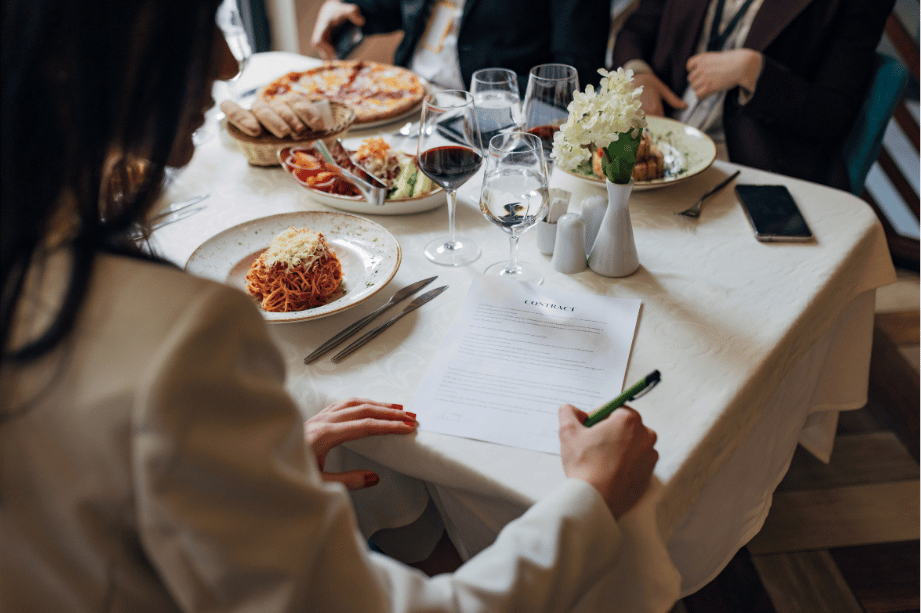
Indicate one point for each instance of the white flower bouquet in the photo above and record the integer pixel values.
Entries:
(611, 118)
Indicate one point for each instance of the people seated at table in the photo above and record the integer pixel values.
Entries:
(780, 82)
(152, 460)
(445, 42)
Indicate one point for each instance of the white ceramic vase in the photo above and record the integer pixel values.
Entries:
(614, 252)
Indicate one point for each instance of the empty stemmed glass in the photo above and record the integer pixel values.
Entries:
(231, 24)
(550, 90)
(515, 196)
(450, 152)
(498, 105)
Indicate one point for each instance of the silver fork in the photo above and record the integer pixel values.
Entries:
(694, 211)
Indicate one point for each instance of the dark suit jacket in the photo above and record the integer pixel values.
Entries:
(514, 34)
(818, 57)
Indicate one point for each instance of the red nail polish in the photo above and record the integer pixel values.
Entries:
(371, 479)
(409, 423)
(413, 415)
(398, 407)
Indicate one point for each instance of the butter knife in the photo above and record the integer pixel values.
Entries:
(412, 306)
(178, 206)
(361, 323)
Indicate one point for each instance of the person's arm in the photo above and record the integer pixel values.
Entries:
(233, 515)
(373, 16)
(824, 105)
(636, 40)
(633, 49)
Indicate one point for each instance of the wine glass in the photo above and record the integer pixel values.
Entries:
(515, 196)
(230, 22)
(550, 90)
(498, 105)
(449, 154)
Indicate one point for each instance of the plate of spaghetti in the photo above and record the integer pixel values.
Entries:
(301, 266)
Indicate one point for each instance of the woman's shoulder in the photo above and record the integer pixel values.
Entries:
(158, 297)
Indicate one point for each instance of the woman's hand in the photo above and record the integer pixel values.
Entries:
(349, 420)
(719, 71)
(615, 456)
(656, 94)
(332, 14)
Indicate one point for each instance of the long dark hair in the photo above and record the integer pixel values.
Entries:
(89, 86)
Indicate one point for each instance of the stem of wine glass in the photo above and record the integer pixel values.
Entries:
(452, 206)
(512, 253)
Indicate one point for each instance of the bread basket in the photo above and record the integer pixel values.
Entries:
(263, 150)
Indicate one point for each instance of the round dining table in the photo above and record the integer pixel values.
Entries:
(760, 346)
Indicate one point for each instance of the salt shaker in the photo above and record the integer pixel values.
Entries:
(546, 228)
(593, 209)
(569, 248)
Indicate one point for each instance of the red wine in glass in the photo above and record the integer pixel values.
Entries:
(450, 166)
(545, 134)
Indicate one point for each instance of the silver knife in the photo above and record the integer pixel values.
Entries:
(361, 323)
(140, 233)
(178, 206)
(174, 217)
(412, 306)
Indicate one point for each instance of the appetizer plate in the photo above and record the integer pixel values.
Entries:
(687, 150)
(357, 204)
(370, 256)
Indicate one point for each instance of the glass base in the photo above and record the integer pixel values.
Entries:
(457, 252)
(529, 273)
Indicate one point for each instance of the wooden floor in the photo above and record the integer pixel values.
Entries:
(844, 537)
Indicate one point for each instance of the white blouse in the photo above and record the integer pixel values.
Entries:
(154, 462)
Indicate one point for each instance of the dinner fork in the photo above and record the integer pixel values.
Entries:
(694, 211)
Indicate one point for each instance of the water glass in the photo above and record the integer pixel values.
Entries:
(515, 196)
(498, 105)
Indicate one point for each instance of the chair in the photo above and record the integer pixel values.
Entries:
(863, 145)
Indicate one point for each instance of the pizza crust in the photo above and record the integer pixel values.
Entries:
(376, 91)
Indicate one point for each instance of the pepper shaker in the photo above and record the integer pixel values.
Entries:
(569, 248)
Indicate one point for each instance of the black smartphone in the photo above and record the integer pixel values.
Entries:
(773, 213)
(345, 38)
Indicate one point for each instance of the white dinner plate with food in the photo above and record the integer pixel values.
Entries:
(327, 192)
(687, 151)
(369, 254)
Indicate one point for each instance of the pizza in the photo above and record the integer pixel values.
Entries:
(375, 91)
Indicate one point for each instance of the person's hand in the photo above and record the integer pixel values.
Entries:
(332, 14)
(615, 456)
(656, 94)
(349, 420)
(719, 71)
(288, 115)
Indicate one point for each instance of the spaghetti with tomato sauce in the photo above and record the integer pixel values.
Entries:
(298, 271)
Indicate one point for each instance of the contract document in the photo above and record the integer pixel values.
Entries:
(515, 353)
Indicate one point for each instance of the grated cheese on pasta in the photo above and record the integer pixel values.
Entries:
(295, 247)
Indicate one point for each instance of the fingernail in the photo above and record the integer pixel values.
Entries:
(409, 422)
(371, 479)
(413, 415)
(398, 407)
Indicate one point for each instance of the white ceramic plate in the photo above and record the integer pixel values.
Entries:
(357, 204)
(688, 152)
(370, 256)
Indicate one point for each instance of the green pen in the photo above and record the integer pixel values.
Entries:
(635, 391)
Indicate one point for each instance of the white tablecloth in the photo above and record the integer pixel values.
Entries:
(759, 346)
